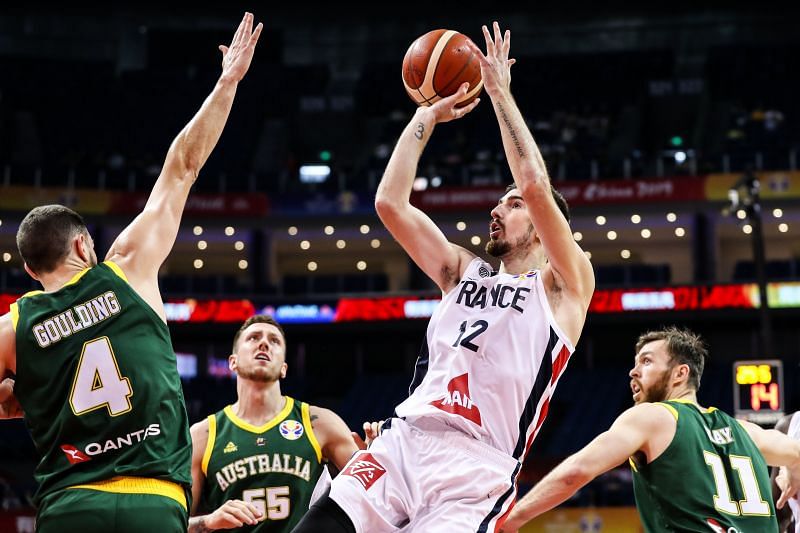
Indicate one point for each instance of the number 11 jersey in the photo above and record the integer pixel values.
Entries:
(491, 360)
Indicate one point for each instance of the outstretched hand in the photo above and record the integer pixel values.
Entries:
(495, 64)
(789, 487)
(371, 432)
(447, 108)
(236, 58)
(9, 406)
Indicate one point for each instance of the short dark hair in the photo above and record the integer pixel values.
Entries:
(44, 236)
(257, 319)
(557, 196)
(684, 348)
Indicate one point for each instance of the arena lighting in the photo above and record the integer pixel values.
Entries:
(340, 244)
(292, 230)
(229, 231)
(364, 229)
(645, 233)
(202, 245)
(743, 296)
(600, 219)
(625, 254)
(314, 173)
(777, 212)
(612, 235)
(375, 243)
(636, 218)
(680, 232)
(672, 217)
(578, 236)
(198, 230)
(461, 225)
(329, 230)
(782, 227)
(7, 256)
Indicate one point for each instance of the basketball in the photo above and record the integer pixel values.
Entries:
(435, 66)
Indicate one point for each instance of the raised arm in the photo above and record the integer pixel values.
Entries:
(441, 260)
(572, 270)
(335, 438)
(781, 450)
(629, 434)
(144, 245)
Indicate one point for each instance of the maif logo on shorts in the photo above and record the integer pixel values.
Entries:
(365, 469)
(291, 429)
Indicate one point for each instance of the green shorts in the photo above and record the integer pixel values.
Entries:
(86, 510)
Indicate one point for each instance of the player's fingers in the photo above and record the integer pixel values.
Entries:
(240, 30)
(506, 43)
(240, 513)
(229, 520)
(256, 34)
(248, 510)
(498, 37)
(489, 42)
(469, 107)
(6, 389)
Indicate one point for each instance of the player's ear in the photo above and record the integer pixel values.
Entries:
(681, 373)
(30, 272)
(232, 362)
(284, 368)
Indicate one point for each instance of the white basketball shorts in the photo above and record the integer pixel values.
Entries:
(426, 477)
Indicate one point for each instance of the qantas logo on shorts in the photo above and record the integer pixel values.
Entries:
(365, 469)
(458, 400)
(74, 455)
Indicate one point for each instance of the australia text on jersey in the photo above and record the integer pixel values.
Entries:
(77, 318)
(260, 464)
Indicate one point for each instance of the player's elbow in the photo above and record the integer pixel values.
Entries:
(576, 474)
(386, 206)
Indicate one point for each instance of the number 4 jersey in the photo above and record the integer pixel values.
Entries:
(275, 466)
(98, 382)
(711, 478)
(492, 359)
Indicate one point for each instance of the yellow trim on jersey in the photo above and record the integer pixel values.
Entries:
(705, 410)
(260, 429)
(304, 408)
(138, 485)
(633, 465)
(116, 270)
(670, 409)
(212, 437)
(14, 310)
(77, 276)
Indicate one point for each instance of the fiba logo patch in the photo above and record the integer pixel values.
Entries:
(291, 429)
(484, 272)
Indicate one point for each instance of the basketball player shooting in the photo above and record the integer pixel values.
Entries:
(495, 347)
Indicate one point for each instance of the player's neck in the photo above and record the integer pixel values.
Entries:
(520, 263)
(53, 281)
(684, 394)
(257, 402)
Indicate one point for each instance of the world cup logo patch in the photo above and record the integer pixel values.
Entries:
(291, 429)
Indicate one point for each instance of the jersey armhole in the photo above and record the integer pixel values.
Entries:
(304, 409)
(116, 270)
(212, 437)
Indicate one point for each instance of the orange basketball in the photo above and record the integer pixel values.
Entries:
(435, 66)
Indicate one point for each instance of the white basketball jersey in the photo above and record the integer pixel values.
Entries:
(492, 359)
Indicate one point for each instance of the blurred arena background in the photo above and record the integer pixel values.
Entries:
(647, 119)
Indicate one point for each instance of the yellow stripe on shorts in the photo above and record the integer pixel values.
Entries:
(138, 485)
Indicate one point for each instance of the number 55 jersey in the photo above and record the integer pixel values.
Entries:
(274, 466)
(492, 359)
(97, 379)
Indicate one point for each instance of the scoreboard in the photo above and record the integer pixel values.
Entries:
(758, 390)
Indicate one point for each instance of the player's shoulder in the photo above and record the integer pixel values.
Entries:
(200, 429)
(651, 414)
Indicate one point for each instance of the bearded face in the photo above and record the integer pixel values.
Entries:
(260, 354)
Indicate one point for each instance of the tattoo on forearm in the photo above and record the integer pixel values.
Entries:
(313, 418)
(511, 131)
(420, 131)
(199, 526)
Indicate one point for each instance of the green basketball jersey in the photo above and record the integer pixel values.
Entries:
(711, 477)
(275, 466)
(97, 379)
